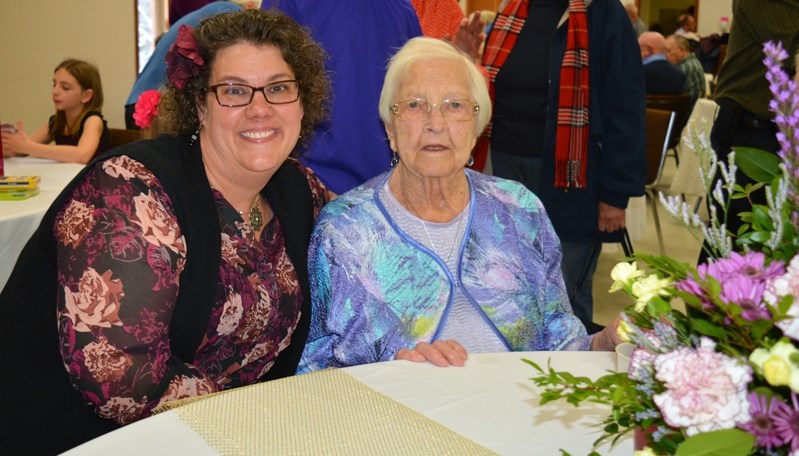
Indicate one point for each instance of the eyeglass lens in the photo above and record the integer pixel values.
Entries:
(417, 109)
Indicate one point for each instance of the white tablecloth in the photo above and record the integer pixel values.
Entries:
(490, 401)
(19, 219)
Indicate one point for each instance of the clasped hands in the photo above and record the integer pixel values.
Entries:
(444, 353)
(441, 353)
(608, 338)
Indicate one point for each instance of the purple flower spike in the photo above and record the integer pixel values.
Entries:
(785, 107)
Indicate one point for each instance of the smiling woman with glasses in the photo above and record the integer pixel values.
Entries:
(432, 261)
(174, 267)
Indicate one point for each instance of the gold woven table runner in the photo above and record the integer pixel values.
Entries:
(325, 412)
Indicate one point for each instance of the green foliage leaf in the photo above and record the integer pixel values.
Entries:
(760, 236)
(726, 442)
(762, 219)
(534, 364)
(758, 164)
(707, 328)
(785, 304)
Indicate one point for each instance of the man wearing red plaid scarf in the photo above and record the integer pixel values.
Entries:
(567, 83)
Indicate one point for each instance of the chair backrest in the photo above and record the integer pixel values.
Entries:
(659, 125)
(722, 56)
(680, 105)
(120, 136)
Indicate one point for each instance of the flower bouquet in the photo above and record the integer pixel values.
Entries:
(723, 376)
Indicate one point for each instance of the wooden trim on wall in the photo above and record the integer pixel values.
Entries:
(481, 5)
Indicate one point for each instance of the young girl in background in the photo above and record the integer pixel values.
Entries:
(77, 128)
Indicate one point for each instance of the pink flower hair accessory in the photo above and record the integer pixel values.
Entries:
(183, 61)
(146, 108)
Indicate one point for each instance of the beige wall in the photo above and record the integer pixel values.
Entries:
(35, 37)
(710, 12)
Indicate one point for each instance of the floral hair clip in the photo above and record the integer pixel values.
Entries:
(183, 61)
(146, 108)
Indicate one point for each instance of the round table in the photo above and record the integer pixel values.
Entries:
(19, 219)
(489, 404)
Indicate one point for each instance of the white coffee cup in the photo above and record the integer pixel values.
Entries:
(623, 353)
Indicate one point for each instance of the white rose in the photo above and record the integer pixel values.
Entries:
(776, 365)
(623, 274)
(644, 290)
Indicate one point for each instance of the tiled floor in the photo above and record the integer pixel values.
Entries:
(679, 244)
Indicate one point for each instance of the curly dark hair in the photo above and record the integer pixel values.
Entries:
(304, 55)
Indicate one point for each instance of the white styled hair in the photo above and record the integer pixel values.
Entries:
(421, 49)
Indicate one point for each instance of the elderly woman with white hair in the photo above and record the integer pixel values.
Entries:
(431, 261)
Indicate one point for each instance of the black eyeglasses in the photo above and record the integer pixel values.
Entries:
(233, 95)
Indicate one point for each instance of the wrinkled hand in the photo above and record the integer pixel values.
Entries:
(441, 353)
(608, 338)
(611, 218)
(469, 37)
(15, 143)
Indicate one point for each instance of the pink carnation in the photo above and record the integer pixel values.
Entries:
(705, 390)
(146, 108)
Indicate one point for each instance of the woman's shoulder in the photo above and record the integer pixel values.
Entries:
(117, 175)
(125, 168)
(355, 204)
(165, 154)
(320, 194)
(313, 179)
(504, 190)
(94, 119)
(93, 114)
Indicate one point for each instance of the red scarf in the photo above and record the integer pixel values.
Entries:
(571, 136)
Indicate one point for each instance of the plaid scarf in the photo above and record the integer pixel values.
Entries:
(571, 136)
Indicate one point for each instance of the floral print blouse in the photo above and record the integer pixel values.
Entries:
(120, 255)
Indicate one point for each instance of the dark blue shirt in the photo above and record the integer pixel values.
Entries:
(359, 37)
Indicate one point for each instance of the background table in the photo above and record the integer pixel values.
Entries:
(490, 401)
(19, 219)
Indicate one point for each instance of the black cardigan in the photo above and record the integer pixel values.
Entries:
(40, 411)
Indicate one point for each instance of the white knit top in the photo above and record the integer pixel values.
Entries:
(464, 322)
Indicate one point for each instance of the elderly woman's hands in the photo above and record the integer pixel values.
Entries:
(441, 353)
(608, 338)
